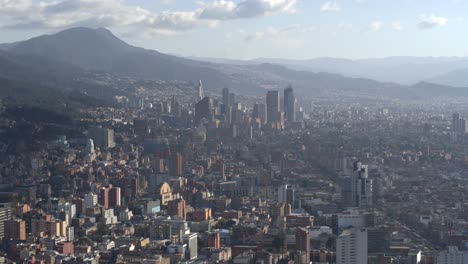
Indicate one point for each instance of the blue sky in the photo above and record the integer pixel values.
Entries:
(243, 29)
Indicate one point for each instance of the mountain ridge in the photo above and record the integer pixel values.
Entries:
(100, 50)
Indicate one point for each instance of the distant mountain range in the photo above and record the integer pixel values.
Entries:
(63, 56)
(402, 70)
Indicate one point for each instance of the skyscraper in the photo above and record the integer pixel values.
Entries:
(358, 187)
(102, 137)
(191, 240)
(90, 200)
(273, 106)
(226, 97)
(200, 91)
(109, 196)
(456, 122)
(351, 247)
(364, 185)
(259, 111)
(303, 241)
(232, 98)
(90, 146)
(5, 214)
(204, 109)
(15, 229)
(286, 194)
(176, 168)
(289, 104)
(177, 208)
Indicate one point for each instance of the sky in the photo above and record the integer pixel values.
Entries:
(247, 29)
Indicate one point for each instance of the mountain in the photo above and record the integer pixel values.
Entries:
(457, 78)
(77, 50)
(401, 70)
(7, 46)
(35, 68)
(100, 50)
(36, 81)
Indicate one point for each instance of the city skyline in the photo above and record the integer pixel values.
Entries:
(248, 29)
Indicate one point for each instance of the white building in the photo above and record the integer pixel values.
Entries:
(90, 200)
(451, 256)
(351, 247)
(108, 217)
(70, 233)
(191, 240)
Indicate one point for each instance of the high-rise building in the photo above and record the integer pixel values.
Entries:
(232, 98)
(303, 241)
(358, 187)
(90, 147)
(69, 208)
(273, 106)
(289, 104)
(108, 217)
(200, 91)
(90, 200)
(191, 240)
(175, 106)
(15, 229)
(204, 109)
(5, 214)
(351, 247)
(177, 208)
(70, 233)
(286, 194)
(463, 126)
(110, 197)
(456, 122)
(364, 185)
(214, 240)
(158, 165)
(114, 197)
(226, 97)
(109, 138)
(259, 111)
(176, 168)
(102, 137)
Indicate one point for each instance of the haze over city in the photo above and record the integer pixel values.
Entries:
(233, 131)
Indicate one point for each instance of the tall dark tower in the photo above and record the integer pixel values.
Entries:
(273, 106)
(289, 104)
(226, 97)
(204, 109)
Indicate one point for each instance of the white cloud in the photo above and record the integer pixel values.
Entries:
(259, 35)
(167, 2)
(27, 14)
(226, 9)
(330, 7)
(432, 21)
(344, 26)
(375, 26)
(275, 32)
(397, 26)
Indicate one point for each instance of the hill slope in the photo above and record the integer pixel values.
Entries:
(99, 50)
